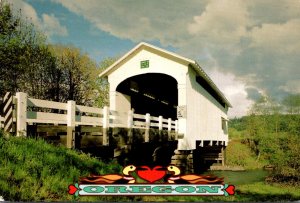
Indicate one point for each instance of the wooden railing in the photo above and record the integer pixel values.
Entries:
(1, 122)
(30, 111)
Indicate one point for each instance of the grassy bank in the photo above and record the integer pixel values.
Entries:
(250, 192)
(239, 154)
(32, 170)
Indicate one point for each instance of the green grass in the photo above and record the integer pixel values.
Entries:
(32, 170)
(236, 134)
(250, 192)
(239, 154)
(261, 191)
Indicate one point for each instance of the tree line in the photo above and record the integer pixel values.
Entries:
(46, 71)
(272, 131)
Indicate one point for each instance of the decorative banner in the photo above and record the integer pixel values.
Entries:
(160, 181)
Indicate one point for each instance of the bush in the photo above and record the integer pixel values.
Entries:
(277, 140)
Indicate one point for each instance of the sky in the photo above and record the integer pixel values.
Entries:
(250, 48)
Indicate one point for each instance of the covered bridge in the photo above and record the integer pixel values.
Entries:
(151, 80)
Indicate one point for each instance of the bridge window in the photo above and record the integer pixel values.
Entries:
(224, 125)
(203, 83)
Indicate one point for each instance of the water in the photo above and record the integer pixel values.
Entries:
(241, 177)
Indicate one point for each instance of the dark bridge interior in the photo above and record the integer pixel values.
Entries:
(152, 93)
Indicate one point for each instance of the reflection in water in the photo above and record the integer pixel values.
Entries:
(241, 177)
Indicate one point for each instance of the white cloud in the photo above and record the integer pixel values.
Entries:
(27, 10)
(292, 86)
(47, 23)
(270, 11)
(281, 37)
(138, 20)
(52, 26)
(252, 43)
(234, 90)
(222, 19)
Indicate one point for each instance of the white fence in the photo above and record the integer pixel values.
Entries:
(30, 111)
(1, 122)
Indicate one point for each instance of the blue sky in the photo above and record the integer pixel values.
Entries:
(249, 48)
(81, 33)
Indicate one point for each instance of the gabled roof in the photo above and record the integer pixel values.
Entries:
(173, 56)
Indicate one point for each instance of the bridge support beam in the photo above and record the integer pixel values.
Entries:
(223, 155)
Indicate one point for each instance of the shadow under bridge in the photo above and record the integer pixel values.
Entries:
(152, 93)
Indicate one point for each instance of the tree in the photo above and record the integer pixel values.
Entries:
(24, 56)
(10, 45)
(274, 136)
(52, 72)
(75, 76)
(292, 103)
(102, 86)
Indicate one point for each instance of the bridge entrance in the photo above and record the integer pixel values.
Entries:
(153, 93)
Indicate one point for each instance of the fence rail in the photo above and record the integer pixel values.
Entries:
(29, 111)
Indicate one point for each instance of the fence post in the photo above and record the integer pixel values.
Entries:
(202, 143)
(130, 119)
(8, 112)
(105, 125)
(176, 130)
(147, 118)
(160, 127)
(129, 126)
(160, 122)
(21, 113)
(71, 124)
(169, 128)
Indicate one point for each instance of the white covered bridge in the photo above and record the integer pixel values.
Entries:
(151, 80)
(156, 98)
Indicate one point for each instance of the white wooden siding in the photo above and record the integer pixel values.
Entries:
(204, 115)
(157, 64)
